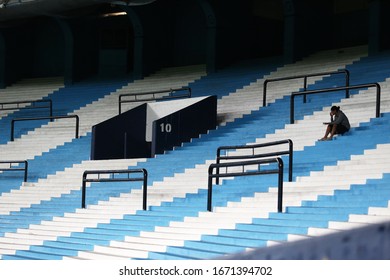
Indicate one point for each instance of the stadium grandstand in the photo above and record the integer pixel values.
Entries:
(191, 129)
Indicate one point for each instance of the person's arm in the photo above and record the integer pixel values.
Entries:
(331, 120)
(339, 119)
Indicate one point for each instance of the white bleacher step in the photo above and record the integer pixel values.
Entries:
(30, 236)
(203, 225)
(288, 197)
(369, 219)
(137, 246)
(19, 241)
(270, 202)
(273, 243)
(86, 255)
(311, 188)
(346, 225)
(46, 233)
(185, 230)
(339, 177)
(6, 252)
(93, 214)
(13, 246)
(379, 211)
(65, 223)
(159, 241)
(124, 252)
(321, 231)
(170, 235)
(242, 210)
(211, 218)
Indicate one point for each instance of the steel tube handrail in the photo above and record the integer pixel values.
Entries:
(50, 106)
(288, 152)
(342, 71)
(46, 118)
(361, 86)
(278, 171)
(153, 93)
(144, 179)
(10, 162)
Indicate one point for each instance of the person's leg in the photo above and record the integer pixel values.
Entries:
(333, 131)
(329, 128)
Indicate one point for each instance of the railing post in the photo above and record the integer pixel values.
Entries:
(145, 190)
(290, 160)
(378, 100)
(25, 170)
(83, 191)
(210, 189)
(120, 104)
(265, 93)
(292, 105)
(280, 185)
(217, 168)
(12, 129)
(304, 88)
(77, 126)
(347, 77)
(50, 108)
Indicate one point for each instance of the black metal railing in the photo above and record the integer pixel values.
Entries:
(316, 91)
(172, 94)
(244, 172)
(112, 178)
(12, 166)
(46, 118)
(255, 155)
(267, 81)
(7, 106)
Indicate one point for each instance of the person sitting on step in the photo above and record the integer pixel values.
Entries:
(339, 124)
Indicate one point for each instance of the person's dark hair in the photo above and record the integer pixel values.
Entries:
(335, 108)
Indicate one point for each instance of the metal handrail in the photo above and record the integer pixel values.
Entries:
(154, 98)
(50, 106)
(361, 86)
(144, 179)
(342, 71)
(288, 152)
(10, 162)
(242, 164)
(46, 118)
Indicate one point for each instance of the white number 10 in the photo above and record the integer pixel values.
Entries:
(166, 127)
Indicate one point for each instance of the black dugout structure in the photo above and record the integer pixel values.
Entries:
(152, 128)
